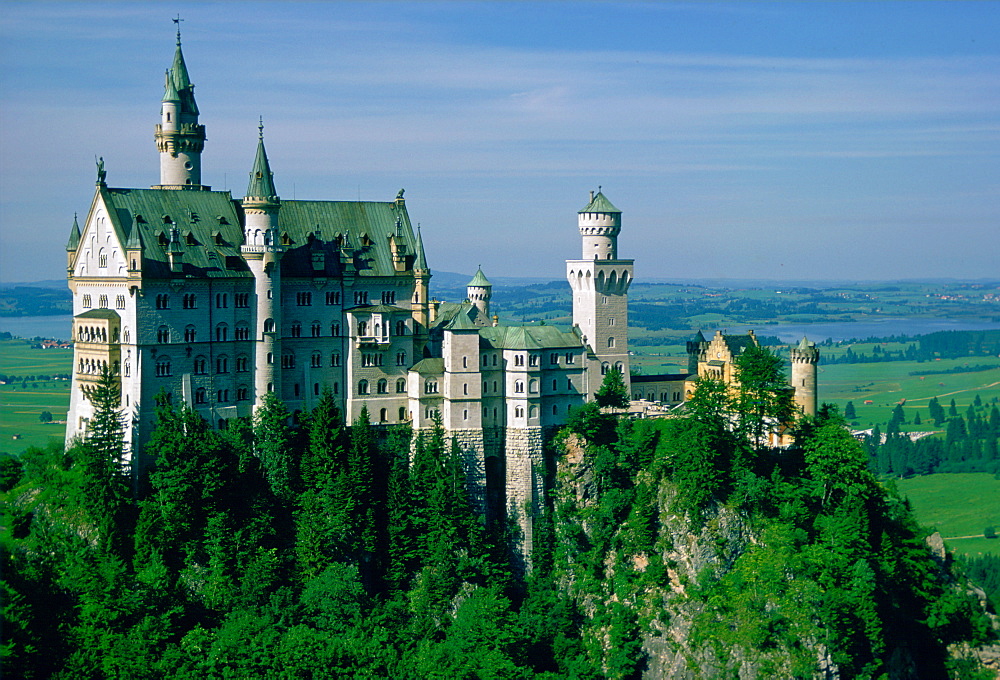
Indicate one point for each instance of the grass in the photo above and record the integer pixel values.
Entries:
(22, 403)
(957, 505)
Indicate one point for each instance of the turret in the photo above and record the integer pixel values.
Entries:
(175, 252)
(695, 346)
(805, 357)
(262, 251)
(179, 137)
(479, 291)
(72, 245)
(600, 222)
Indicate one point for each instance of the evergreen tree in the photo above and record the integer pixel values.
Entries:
(917, 420)
(763, 400)
(273, 446)
(849, 412)
(953, 409)
(898, 417)
(613, 393)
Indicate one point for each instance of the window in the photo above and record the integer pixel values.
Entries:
(519, 360)
(611, 342)
(401, 358)
(388, 297)
(519, 412)
(333, 298)
(314, 329)
(199, 365)
(604, 300)
(296, 330)
(519, 386)
(222, 364)
(296, 390)
(86, 302)
(611, 322)
(402, 413)
(605, 367)
(241, 299)
(268, 325)
(303, 299)
(533, 386)
(362, 387)
(400, 386)
(486, 360)
(361, 297)
(620, 367)
(189, 333)
(223, 396)
(200, 396)
(555, 410)
(362, 328)
(465, 362)
(465, 388)
(335, 329)
(570, 358)
(221, 300)
(288, 360)
(382, 386)
(127, 336)
(486, 388)
(555, 385)
(242, 331)
(400, 328)
(102, 259)
(102, 302)
(242, 393)
(494, 359)
(221, 332)
(315, 389)
(163, 335)
(336, 388)
(128, 369)
(120, 302)
(316, 360)
(188, 301)
(242, 363)
(465, 414)
(162, 367)
(270, 359)
(430, 387)
(553, 358)
(533, 360)
(335, 359)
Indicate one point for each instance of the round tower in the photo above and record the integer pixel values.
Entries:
(479, 291)
(805, 357)
(262, 251)
(600, 222)
(179, 137)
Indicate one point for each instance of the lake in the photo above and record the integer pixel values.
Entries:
(58, 326)
(879, 328)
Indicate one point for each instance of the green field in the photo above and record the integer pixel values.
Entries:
(21, 403)
(957, 505)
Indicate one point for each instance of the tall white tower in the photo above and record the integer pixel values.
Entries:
(479, 291)
(600, 284)
(179, 137)
(262, 251)
(805, 357)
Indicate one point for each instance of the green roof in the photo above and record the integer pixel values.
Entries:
(529, 337)
(463, 320)
(182, 82)
(379, 309)
(421, 261)
(107, 314)
(433, 365)
(600, 204)
(805, 344)
(479, 280)
(74, 236)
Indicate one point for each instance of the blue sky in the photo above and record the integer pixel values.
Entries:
(741, 140)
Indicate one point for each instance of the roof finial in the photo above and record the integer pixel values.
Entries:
(177, 20)
(598, 188)
(260, 128)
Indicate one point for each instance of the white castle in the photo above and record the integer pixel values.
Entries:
(218, 301)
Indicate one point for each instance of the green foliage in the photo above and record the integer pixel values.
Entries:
(612, 393)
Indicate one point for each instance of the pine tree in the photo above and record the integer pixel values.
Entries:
(273, 446)
(762, 399)
(613, 393)
(849, 412)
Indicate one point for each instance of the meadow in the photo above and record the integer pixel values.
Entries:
(21, 403)
(958, 506)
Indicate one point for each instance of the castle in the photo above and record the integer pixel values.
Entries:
(219, 301)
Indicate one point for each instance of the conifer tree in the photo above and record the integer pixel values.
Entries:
(613, 393)
(273, 445)
(762, 398)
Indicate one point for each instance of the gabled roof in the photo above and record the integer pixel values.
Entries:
(600, 204)
(529, 337)
(738, 343)
(463, 321)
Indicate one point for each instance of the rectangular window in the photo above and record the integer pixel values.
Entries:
(361, 297)
(570, 358)
(102, 302)
(222, 300)
(120, 302)
(553, 358)
(388, 297)
(303, 299)
(333, 298)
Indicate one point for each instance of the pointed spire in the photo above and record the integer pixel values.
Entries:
(74, 236)
(181, 80)
(480, 280)
(421, 261)
(134, 239)
(169, 90)
(261, 177)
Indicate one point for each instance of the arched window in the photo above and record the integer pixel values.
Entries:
(402, 413)
(288, 360)
(518, 386)
(383, 415)
(268, 325)
(533, 386)
(162, 366)
(611, 342)
(383, 386)
(296, 329)
(555, 409)
(400, 386)
(605, 367)
(620, 367)
(400, 328)
(518, 411)
(335, 359)
(102, 258)
(362, 386)
(221, 333)
(533, 412)
(242, 331)
(242, 393)
(163, 335)
(362, 328)
(189, 333)
(222, 364)
(199, 365)
(314, 329)
(200, 396)
(401, 358)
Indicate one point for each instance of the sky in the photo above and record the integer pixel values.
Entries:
(787, 140)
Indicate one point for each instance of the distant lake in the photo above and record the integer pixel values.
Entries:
(879, 328)
(58, 326)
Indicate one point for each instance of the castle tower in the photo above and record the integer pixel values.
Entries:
(420, 304)
(600, 283)
(695, 346)
(179, 137)
(805, 356)
(262, 251)
(479, 291)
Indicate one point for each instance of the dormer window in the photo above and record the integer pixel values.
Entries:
(285, 239)
(190, 239)
(167, 220)
(222, 219)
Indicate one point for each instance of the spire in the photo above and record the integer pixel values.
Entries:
(600, 204)
(74, 236)
(480, 280)
(134, 239)
(169, 89)
(261, 177)
(421, 261)
(805, 344)
(181, 80)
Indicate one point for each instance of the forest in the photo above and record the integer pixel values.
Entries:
(678, 547)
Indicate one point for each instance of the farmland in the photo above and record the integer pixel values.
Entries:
(23, 400)
(959, 506)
